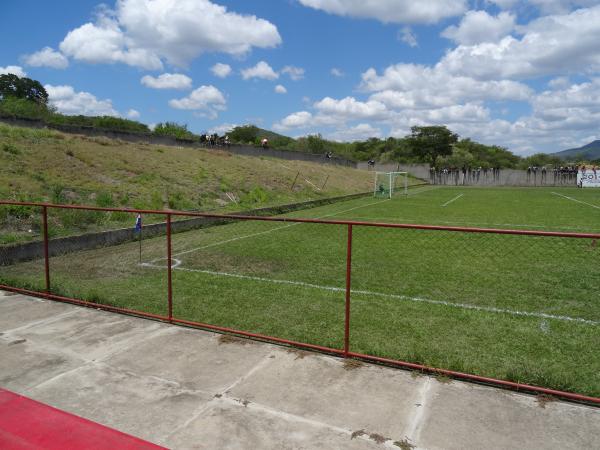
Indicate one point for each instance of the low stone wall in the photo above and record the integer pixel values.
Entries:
(60, 246)
(169, 141)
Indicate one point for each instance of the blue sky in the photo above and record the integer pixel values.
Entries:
(521, 74)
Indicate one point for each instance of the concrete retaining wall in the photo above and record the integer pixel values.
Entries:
(60, 246)
(169, 141)
(505, 177)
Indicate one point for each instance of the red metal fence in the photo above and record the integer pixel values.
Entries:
(371, 235)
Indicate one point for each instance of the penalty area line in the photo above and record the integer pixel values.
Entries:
(453, 200)
(238, 238)
(467, 306)
(575, 200)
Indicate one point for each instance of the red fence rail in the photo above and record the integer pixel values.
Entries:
(349, 225)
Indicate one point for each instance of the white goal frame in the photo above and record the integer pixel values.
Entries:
(391, 176)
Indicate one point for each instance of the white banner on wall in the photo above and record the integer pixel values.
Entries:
(588, 178)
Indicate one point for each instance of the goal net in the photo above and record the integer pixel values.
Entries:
(389, 183)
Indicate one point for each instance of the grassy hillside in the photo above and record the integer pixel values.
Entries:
(46, 165)
(589, 152)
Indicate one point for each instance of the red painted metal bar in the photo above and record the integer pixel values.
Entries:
(329, 222)
(169, 269)
(478, 379)
(263, 337)
(46, 253)
(376, 359)
(75, 301)
(348, 288)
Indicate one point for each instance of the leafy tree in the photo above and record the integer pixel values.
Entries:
(488, 155)
(541, 159)
(13, 86)
(244, 134)
(315, 143)
(431, 142)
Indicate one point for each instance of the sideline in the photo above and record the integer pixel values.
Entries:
(489, 309)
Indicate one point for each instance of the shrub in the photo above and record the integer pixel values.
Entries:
(104, 200)
(174, 130)
(255, 196)
(22, 108)
(10, 148)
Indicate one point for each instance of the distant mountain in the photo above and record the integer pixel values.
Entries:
(590, 151)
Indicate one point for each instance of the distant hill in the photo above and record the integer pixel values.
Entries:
(590, 151)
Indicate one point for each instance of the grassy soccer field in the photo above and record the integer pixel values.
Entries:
(513, 307)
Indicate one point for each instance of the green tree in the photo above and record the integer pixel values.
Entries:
(244, 134)
(431, 142)
(315, 143)
(25, 88)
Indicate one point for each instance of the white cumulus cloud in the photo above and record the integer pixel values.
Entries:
(550, 45)
(280, 89)
(207, 100)
(133, 114)
(351, 108)
(167, 81)
(261, 70)
(392, 11)
(336, 72)
(68, 101)
(14, 70)
(222, 129)
(417, 87)
(144, 33)
(47, 57)
(295, 73)
(478, 26)
(407, 36)
(221, 70)
(360, 132)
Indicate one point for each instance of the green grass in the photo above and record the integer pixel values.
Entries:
(46, 165)
(512, 307)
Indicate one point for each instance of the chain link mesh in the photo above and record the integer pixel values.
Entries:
(517, 307)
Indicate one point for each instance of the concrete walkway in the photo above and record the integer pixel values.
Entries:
(185, 388)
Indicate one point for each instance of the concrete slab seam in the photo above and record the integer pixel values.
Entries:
(205, 407)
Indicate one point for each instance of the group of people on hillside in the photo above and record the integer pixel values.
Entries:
(214, 140)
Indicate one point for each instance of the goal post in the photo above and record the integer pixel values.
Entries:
(388, 184)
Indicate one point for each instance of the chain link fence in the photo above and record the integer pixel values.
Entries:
(520, 306)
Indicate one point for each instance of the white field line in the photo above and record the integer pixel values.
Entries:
(238, 238)
(489, 309)
(421, 190)
(575, 200)
(450, 201)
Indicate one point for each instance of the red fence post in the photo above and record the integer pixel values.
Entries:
(46, 253)
(348, 286)
(169, 269)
